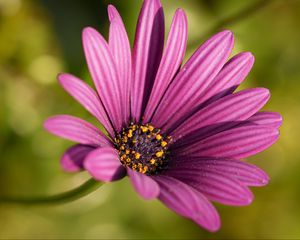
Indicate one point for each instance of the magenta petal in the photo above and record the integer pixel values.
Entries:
(72, 159)
(237, 143)
(232, 108)
(104, 164)
(170, 62)
(103, 70)
(267, 119)
(183, 94)
(246, 173)
(214, 185)
(88, 98)
(229, 78)
(120, 48)
(143, 184)
(188, 202)
(147, 51)
(76, 129)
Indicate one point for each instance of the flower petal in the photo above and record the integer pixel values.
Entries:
(76, 129)
(104, 164)
(103, 70)
(216, 186)
(188, 202)
(229, 78)
(237, 143)
(88, 98)
(147, 51)
(143, 184)
(170, 62)
(232, 108)
(120, 48)
(246, 173)
(182, 96)
(72, 159)
(267, 119)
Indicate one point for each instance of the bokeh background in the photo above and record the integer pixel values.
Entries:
(40, 38)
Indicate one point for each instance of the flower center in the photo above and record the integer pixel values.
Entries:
(143, 148)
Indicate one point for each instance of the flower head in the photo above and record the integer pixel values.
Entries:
(179, 133)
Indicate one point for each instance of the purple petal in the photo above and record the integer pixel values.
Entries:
(216, 186)
(144, 185)
(103, 70)
(120, 48)
(232, 108)
(88, 98)
(77, 130)
(104, 164)
(267, 119)
(182, 96)
(72, 159)
(170, 62)
(188, 202)
(237, 143)
(229, 78)
(147, 51)
(246, 173)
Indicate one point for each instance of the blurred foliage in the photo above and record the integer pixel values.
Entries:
(39, 39)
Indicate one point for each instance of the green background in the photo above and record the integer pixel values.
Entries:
(39, 39)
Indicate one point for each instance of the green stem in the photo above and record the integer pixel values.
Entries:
(69, 196)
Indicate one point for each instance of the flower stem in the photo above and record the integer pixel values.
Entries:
(68, 196)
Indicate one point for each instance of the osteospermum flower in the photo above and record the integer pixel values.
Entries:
(177, 132)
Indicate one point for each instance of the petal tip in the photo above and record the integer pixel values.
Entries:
(62, 78)
(180, 13)
(263, 92)
(249, 197)
(112, 11)
(227, 34)
(280, 119)
(213, 225)
(265, 181)
(87, 32)
(214, 228)
(47, 123)
(103, 165)
(146, 186)
(248, 55)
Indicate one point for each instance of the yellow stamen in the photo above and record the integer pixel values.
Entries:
(144, 129)
(158, 137)
(129, 133)
(151, 128)
(164, 143)
(137, 155)
(145, 168)
(159, 154)
(152, 161)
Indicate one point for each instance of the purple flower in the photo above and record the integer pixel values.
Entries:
(177, 132)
